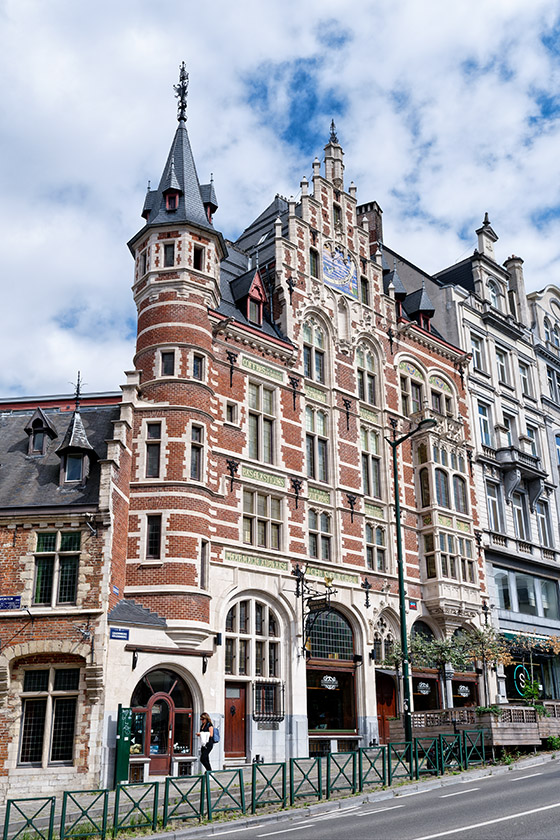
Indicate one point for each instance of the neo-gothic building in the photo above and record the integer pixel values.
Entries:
(176, 552)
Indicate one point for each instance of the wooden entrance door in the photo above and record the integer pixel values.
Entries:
(235, 733)
(386, 704)
(160, 729)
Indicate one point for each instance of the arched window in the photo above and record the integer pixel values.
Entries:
(547, 330)
(366, 374)
(330, 636)
(495, 295)
(162, 711)
(420, 628)
(425, 488)
(442, 488)
(556, 336)
(313, 351)
(460, 494)
(252, 640)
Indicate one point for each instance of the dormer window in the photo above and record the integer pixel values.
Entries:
(494, 293)
(254, 313)
(40, 431)
(171, 201)
(425, 322)
(74, 467)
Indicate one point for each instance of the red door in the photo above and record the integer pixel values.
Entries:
(235, 733)
(160, 723)
(386, 705)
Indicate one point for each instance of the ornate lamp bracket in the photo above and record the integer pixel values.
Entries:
(232, 358)
(297, 484)
(232, 467)
(294, 382)
(347, 405)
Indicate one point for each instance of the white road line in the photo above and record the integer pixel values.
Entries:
(336, 814)
(459, 793)
(488, 822)
(234, 830)
(415, 793)
(378, 811)
(285, 830)
(530, 776)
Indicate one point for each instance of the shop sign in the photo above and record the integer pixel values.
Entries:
(329, 682)
(463, 691)
(520, 678)
(423, 688)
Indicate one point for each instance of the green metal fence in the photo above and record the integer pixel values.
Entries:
(427, 756)
(139, 805)
(84, 813)
(35, 813)
(183, 798)
(400, 761)
(372, 766)
(305, 778)
(225, 791)
(341, 772)
(268, 785)
(474, 751)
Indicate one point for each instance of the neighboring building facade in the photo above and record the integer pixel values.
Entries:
(63, 516)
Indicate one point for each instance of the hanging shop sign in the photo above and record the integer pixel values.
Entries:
(329, 682)
(463, 691)
(423, 688)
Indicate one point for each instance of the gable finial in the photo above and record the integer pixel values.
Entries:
(181, 93)
(78, 391)
(333, 138)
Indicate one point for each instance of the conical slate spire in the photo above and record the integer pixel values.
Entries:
(179, 176)
(75, 438)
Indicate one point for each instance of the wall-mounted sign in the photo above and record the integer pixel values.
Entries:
(520, 678)
(423, 688)
(412, 605)
(329, 682)
(118, 633)
(464, 691)
(115, 590)
(10, 602)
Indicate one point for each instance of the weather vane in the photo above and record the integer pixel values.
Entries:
(78, 391)
(333, 137)
(181, 93)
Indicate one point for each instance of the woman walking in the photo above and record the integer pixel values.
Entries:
(206, 736)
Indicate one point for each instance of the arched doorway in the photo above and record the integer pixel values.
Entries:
(331, 693)
(385, 690)
(161, 719)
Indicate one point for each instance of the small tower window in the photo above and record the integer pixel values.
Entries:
(74, 466)
(171, 201)
(169, 255)
(168, 363)
(198, 258)
(143, 262)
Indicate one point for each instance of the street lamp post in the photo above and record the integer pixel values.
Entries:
(394, 443)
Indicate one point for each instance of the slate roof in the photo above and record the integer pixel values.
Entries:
(129, 612)
(459, 274)
(179, 174)
(419, 301)
(394, 278)
(75, 437)
(33, 480)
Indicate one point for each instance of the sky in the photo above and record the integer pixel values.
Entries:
(445, 110)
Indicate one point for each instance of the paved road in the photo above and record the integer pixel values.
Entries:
(521, 805)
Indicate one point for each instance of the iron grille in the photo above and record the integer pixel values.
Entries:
(268, 701)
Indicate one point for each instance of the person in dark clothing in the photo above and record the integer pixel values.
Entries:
(206, 736)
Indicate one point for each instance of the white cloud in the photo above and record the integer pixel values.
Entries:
(441, 121)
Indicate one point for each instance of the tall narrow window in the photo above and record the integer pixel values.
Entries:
(153, 537)
(168, 363)
(525, 379)
(153, 450)
(484, 424)
(313, 262)
(319, 535)
(316, 444)
(532, 435)
(143, 262)
(501, 363)
(460, 494)
(198, 257)
(520, 520)
(366, 374)
(74, 466)
(411, 396)
(169, 255)
(364, 290)
(495, 295)
(376, 559)
(313, 352)
(477, 349)
(442, 488)
(261, 423)
(543, 524)
(448, 557)
(495, 508)
(198, 367)
(197, 450)
(425, 488)
(371, 463)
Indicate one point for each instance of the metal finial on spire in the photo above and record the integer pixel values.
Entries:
(181, 93)
(333, 138)
(78, 391)
(486, 221)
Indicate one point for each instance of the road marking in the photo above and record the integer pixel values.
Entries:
(337, 814)
(488, 822)
(378, 811)
(530, 776)
(415, 793)
(285, 830)
(459, 793)
(234, 830)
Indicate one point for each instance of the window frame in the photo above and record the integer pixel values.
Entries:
(261, 422)
(196, 461)
(57, 575)
(51, 696)
(257, 521)
(169, 249)
(316, 445)
(320, 532)
(153, 449)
